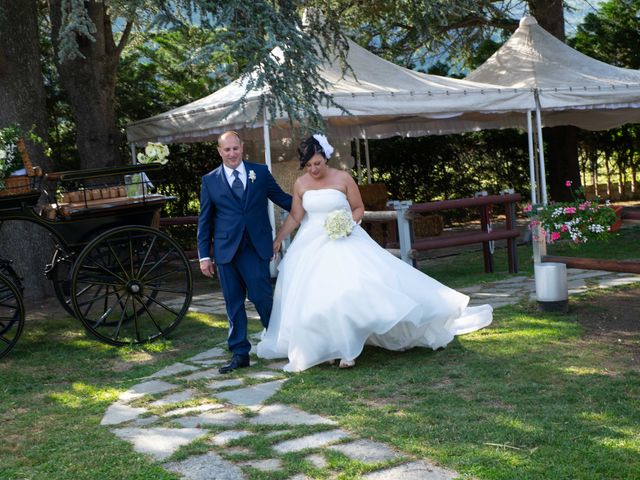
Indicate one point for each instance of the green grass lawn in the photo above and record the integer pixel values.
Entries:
(468, 268)
(526, 398)
(531, 397)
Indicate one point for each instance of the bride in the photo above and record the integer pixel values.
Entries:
(337, 290)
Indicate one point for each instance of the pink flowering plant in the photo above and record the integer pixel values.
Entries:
(578, 221)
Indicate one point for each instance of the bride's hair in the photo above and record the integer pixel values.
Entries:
(308, 148)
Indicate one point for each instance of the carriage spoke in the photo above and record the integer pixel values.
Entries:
(170, 290)
(159, 262)
(153, 320)
(107, 270)
(135, 319)
(146, 256)
(163, 275)
(166, 307)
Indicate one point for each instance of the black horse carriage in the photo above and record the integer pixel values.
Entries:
(112, 269)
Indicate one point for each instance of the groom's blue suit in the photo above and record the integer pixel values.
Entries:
(242, 243)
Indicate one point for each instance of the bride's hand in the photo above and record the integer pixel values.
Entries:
(277, 244)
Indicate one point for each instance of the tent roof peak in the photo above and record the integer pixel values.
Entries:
(528, 20)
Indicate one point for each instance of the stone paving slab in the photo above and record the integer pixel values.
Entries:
(315, 440)
(366, 451)
(197, 408)
(177, 397)
(230, 382)
(160, 443)
(144, 421)
(211, 361)
(225, 419)
(264, 375)
(209, 466)
(316, 460)
(173, 370)
(282, 414)
(121, 412)
(277, 365)
(413, 471)
(227, 436)
(205, 374)
(206, 355)
(252, 396)
(268, 465)
(146, 388)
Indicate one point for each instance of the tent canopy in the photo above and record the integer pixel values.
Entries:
(383, 97)
(573, 89)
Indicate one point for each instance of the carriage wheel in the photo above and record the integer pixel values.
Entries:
(58, 271)
(131, 285)
(11, 314)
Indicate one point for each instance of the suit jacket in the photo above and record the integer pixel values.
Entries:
(224, 218)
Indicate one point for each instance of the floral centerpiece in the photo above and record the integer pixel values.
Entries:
(338, 224)
(154, 153)
(10, 159)
(138, 184)
(578, 221)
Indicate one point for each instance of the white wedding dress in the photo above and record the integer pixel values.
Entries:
(333, 296)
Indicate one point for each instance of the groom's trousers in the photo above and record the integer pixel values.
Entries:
(247, 275)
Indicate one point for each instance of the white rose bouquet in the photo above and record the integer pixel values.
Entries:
(338, 224)
(154, 153)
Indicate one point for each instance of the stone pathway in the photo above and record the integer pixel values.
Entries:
(200, 424)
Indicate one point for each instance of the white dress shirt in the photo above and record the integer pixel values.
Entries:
(230, 177)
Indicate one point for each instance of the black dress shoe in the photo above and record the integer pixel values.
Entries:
(238, 361)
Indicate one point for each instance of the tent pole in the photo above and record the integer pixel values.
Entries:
(267, 161)
(543, 175)
(532, 161)
(134, 158)
(358, 161)
(366, 155)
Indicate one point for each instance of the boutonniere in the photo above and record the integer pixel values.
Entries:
(252, 175)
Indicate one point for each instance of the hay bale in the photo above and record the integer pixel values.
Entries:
(427, 225)
(374, 196)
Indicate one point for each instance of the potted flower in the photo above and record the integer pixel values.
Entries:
(10, 157)
(576, 222)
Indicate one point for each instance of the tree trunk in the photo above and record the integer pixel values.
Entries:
(23, 101)
(89, 84)
(562, 142)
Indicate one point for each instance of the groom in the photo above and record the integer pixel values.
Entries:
(234, 215)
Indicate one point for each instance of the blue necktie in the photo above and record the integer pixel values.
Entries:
(237, 186)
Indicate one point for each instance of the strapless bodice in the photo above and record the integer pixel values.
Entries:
(318, 203)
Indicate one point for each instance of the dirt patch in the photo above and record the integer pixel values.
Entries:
(613, 318)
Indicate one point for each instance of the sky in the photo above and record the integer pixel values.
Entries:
(583, 7)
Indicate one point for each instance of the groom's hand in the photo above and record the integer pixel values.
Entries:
(207, 268)
(276, 248)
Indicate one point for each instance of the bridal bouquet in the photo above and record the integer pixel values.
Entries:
(338, 224)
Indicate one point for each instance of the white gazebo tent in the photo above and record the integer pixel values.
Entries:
(569, 87)
(383, 100)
